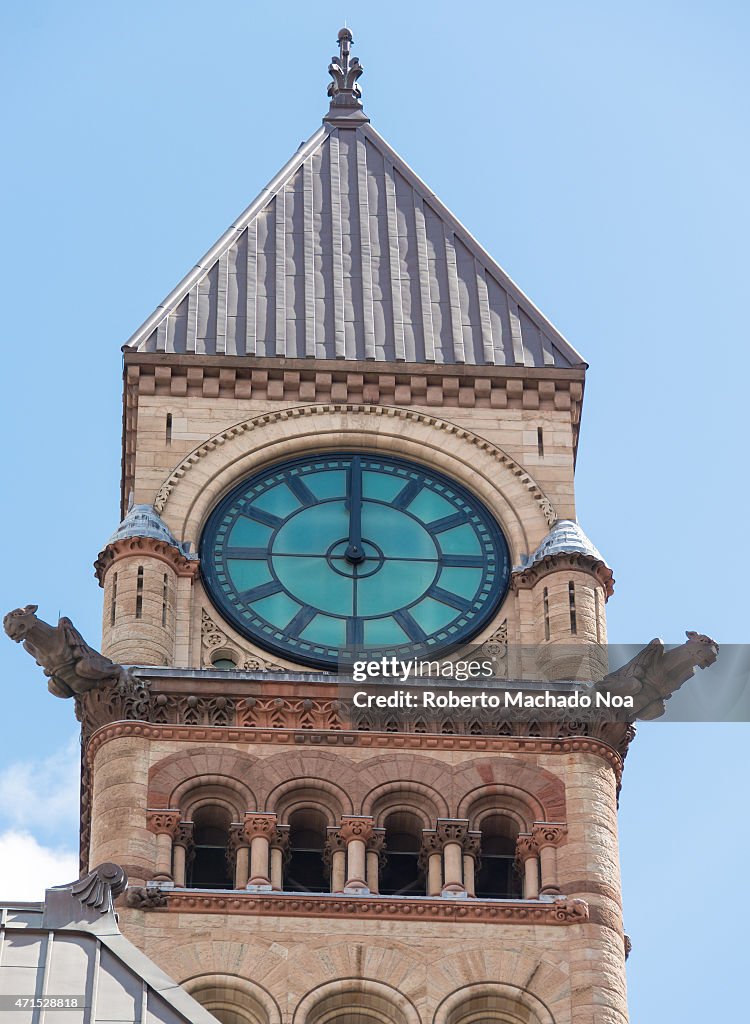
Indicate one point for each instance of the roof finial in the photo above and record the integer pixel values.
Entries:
(344, 92)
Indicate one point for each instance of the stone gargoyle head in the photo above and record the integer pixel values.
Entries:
(19, 622)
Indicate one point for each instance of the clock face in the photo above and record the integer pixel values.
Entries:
(338, 556)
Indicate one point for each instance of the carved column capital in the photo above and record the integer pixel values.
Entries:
(452, 830)
(548, 833)
(164, 822)
(376, 843)
(184, 835)
(259, 824)
(431, 843)
(334, 842)
(356, 827)
(471, 845)
(525, 847)
(280, 840)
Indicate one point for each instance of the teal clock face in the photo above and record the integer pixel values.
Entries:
(325, 559)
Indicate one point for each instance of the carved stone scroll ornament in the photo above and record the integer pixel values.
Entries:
(99, 887)
(654, 674)
(73, 668)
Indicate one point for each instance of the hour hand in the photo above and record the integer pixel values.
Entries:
(354, 553)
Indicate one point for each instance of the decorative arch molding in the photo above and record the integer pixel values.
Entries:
(380, 776)
(203, 476)
(176, 775)
(491, 1001)
(246, 1001)
(528, 786)
(211, 790)
(329, 1003)
(299, 793)
(509, 801)
(405, 795)
(292, 769)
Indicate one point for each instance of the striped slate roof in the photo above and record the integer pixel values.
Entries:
(347, 254)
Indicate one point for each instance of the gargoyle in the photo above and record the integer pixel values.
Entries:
(141, 898)
(71, 665)
(654, 674)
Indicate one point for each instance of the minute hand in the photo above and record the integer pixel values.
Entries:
(354, 553)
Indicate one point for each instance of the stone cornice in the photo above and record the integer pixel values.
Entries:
(525, 579)
(558, 912)
(408, 741)
(144, 546)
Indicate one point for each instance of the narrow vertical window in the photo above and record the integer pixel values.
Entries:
(596, 613)
(164, 599)
(572, 602)
(139, 593)
(168, 431)
(113, 603)
(540, 441)
(545, 597)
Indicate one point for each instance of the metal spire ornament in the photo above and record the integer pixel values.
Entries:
(344, 91)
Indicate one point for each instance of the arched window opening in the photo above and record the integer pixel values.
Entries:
(306, 870)
(497, 878)
(210, 868)
(402, 875)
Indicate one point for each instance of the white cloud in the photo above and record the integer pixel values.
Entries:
(27, 868)
(42, 796)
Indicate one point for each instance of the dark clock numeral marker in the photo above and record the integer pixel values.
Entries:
(447, 597)
(300, 490)
(257, 593)
(407, 494)
(448, 523)
(243, 553)
(303, 618)
(464, 561)
(409, 625)
(355, 632)
(262, 517)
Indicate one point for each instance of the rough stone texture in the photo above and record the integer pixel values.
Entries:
(577, 971)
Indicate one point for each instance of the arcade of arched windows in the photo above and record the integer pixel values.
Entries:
(404, 845)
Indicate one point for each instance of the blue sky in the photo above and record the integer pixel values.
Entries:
(600, 153)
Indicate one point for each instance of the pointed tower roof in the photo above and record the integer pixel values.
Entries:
(347, 254)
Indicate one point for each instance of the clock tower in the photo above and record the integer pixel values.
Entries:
(348, 434)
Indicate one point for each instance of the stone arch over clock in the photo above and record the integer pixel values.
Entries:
(457, 574)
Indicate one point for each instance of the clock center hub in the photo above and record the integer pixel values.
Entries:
(369, 561)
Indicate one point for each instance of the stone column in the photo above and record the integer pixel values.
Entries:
(279, 854)
(527, 864)
(471, 846)
(334, 855)
(548, 836)
(164, 825)
(431, 861)
(182, 851)
(238, 854)
(356, 831)
(452, 834)
(259, 829)
(375, 856)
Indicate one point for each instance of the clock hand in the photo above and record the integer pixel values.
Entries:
(354, 553)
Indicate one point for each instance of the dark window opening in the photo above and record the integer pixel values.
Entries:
(113, 608)
(305, 869)
(164, 599)
(139, 593)
(572, 602)
(168, 431)
(210, 867)
(545, 598)
(497, 878)
(401, 874)
(540, 441)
